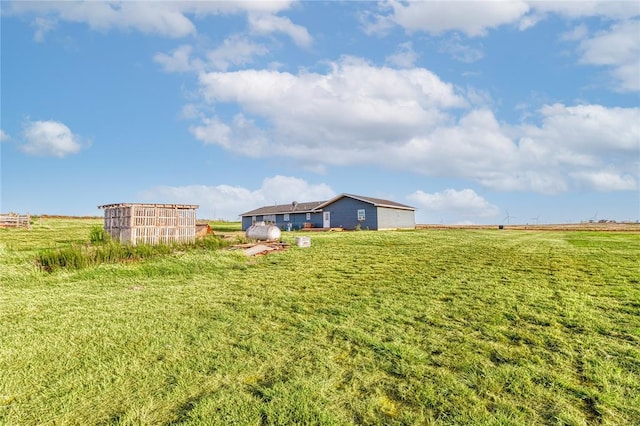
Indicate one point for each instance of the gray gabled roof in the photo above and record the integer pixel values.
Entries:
(285, 208)
(377, 202)
(317, 206)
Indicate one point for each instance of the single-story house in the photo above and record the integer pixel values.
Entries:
(345, 211)
(286, 216)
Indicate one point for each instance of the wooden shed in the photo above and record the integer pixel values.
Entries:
(140, 223)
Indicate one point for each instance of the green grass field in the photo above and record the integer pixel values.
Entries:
(407, 327)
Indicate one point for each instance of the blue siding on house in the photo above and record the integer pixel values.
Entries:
(344, 214)
(343, 209)
(246, 222)
(297, 220)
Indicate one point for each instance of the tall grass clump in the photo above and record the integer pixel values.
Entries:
(104, 250)
(63, 258)
(99, 235)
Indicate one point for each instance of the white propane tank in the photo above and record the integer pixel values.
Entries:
(263, 232)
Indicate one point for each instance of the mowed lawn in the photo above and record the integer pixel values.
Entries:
(407, 327)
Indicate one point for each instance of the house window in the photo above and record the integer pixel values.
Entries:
(308, 216)
(269, 218)
(361, 215)
(286, 217)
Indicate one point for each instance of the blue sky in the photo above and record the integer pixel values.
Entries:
(468, 111)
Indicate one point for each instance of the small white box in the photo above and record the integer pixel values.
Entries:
(303, 241)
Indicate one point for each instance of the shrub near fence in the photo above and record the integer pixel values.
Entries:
(14, 220)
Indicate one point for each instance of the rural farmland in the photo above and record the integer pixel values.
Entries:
(427, 326)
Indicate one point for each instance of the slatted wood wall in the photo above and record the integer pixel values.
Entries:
(150, 223)
(13, 220)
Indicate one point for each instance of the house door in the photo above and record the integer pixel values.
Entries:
(326, 219)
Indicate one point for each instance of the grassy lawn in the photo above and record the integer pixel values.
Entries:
(406, 327)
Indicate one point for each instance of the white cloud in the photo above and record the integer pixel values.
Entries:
(460, 51)
(591, 129)
(178, 61)
(587, 8)
(606, 181)
(452, 206)
(268, 24)
(617, 48)
(405, 57)
(213, 131)
(456, 206)
(235, 50)
(43, 25)
(342, 117)
(351, 96)
(170, 19)
(163, 18)
(580, 32)
(436, 17)
(49, 139)
(580, 142)
(408, 120)
(227, 202)
(477, 18)
(4, 136)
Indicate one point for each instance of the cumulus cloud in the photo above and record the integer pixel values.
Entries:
(179, 60)
(461, 51)
(235, 50)
(463, 206)
(464, 202)
(163, 18)
(411, 120)
(475, 19)
(169, 19)
(227, 202)
(49, 139)
(589, 129)
(619, 50)
(405, 57)
(269, 23)
(354, 108)
(577, 33)
(606, 181)
(213, 131)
